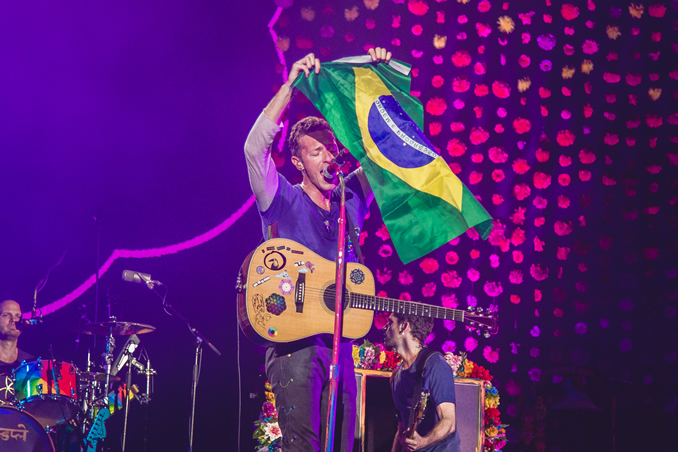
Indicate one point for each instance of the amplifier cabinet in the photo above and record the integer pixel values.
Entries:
(376, 424)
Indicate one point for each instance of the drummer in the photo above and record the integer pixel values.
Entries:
(10, 354)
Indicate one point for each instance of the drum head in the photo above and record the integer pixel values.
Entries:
(21, 432)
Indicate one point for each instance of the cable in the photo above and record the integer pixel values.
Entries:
(237, 333)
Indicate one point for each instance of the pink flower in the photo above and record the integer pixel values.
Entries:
(526, 18)
(569, 12)
(524, 61)
(451, 258)
(522, 125)
(541, 180)
(521, 191)
(470, 344)
(436, 106)
(417, 7)
(586, 156)
(546, 41)
(483, 30)
(451, 279)
(429, 265)
(479, 135)
(382, 233)
(534, 374)
(633, 79)
(539, 221)
(461, 58)
(517, 257)
(479, 68)
(518, 237)
(501, 89)
(539, 271)
(473, 274)
(512, 388)
(515, 299)
(449, 347)
(405, 296)
(538, 244)
(434, 128)
(516, 276)
(611, 139)
(457, 127)
(381, 319)
(429, 289)
(484, 6)
(520, 166)
(497, 154)
(437, 81)
(562, 253)
(493, 288)
(405, 278)
(481, 90)
(580, 328)
(449, 325)
(535, 331)
(611, 77)
(563, 228)
(657, 10)
(491, 355)
(450, 301)
(385, 251)
(456, 147)
(537, 295)
(563, 201)
(589, 47)
(565, 137)
(494, 261)
(518, 216)
(653, 121)
(384, 276)
(461, 84)
(540, 203)
(497, 175)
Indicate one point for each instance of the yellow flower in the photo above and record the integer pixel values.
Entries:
(268, 386)
(270, 397)
(382, 357)
(636, 10)
(654, 93)
(524, 84)
(568, 72)
(371, 4)
(439, 42)
(587, 66)
(307, 13)
(283, 43)
(492, 431)
(613, 31)
(506, 24)
(351, 14)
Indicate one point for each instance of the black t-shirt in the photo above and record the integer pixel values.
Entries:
(6, 383)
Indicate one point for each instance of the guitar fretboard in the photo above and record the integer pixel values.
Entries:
(371, 302)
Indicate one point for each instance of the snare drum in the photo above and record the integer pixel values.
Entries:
(48, 390)
(21, 432)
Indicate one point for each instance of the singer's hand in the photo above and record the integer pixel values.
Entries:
(306, 65)
(380, 55)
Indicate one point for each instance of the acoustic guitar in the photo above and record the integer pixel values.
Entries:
(286, 292)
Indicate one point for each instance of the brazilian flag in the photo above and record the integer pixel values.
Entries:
(423, 203)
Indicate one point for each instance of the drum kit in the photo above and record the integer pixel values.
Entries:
(54, 399)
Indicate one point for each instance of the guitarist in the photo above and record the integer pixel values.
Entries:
(307, 213)
(421, 370)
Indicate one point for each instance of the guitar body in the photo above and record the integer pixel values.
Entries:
(286, 293)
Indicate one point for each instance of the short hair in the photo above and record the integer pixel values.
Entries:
(305, 126)
(420, 327)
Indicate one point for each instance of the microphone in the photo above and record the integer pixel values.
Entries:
(23, 323)
(139, 278)
(331, 170)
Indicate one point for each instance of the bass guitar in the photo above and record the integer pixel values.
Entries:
(286, 293)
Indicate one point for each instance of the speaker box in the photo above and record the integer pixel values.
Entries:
(376, 424)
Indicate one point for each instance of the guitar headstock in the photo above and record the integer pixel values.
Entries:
(485, 322)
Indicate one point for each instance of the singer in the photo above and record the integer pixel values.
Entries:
(10, 354)
(308, 213)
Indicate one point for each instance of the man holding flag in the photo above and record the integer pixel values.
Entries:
(368, 108)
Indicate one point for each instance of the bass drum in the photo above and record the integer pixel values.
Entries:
(21, 432)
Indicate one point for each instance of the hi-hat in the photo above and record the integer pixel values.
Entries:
(114, 328)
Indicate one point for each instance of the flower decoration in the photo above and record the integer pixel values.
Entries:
(562, 228)
(565, 138)
(478, 135)
(461, 58)
(461, 84)
(266, 429)
(589, 47)
(417, 7)
(351, 14)
(493, 288)
(546, 41)
(516, 276)
(429, 289)
(470, 344)
(521, 191)
(451, 279)
(506, 24)
(436, 106)
(541, 180)
(429, 265)
(524, 84)
(374, 357)
(481, 90)
(384, 276)
(405, 278)
(569, 12)
(657, 10)
(501, 89)
(483, 30)
(456, 147)
(522, 125)
(636, 11)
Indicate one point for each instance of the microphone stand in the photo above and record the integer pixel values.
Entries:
(338, 317)
(200, 339)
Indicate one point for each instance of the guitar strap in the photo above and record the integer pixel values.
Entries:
(355, 239)
(422, 359)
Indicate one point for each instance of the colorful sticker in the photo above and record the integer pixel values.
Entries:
(310, 266)
(272, 332)
(261, 281)
(286, 286)
(357, 276)
(275, 261)
(262, 319)
(299, 264)
(258, 303)
(297, 252)
(303, 270)
(275, 304)
(260, 270)
(284, 274)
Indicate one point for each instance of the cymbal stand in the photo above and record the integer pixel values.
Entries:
(108, 355)
(126, 392)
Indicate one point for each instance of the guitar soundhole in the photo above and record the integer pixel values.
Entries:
(328, 297)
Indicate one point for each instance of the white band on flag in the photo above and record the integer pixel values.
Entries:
(364, 59)
(400, 134)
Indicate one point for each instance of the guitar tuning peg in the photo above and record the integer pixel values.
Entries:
(470, 308)
(486, 334)
(479, 309)
(478, 332)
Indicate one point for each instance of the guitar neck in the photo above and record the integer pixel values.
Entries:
(374, 303)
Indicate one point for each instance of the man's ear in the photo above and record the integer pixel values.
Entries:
(296, 161)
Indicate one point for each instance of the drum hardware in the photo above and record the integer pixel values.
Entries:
(113, 327)
(21, 432)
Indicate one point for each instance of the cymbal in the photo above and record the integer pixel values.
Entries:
(114, 328)
(97, 376)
